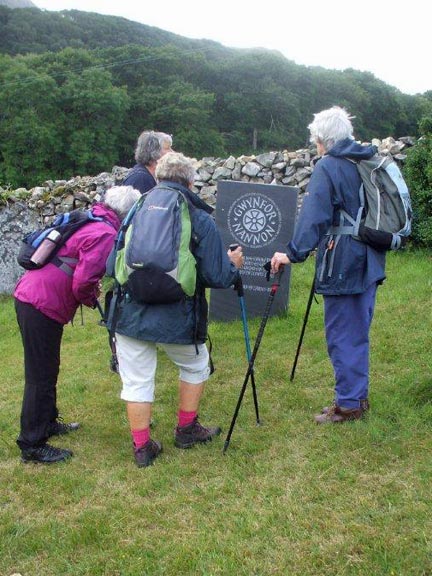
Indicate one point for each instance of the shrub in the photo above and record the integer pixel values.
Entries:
(418, 174)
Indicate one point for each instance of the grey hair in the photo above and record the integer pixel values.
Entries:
(330, 126)
(149, 146)
(176, 168)
(121, 199)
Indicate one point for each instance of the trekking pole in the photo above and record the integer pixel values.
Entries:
(306, 317)
(274, 288)
(238, 287)
(101, 312)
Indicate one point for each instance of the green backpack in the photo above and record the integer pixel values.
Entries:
(153, 260)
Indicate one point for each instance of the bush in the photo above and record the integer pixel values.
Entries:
(418, 175)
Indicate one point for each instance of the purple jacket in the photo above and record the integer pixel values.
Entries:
(55, 293)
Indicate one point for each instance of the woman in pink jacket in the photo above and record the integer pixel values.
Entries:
(46, 300)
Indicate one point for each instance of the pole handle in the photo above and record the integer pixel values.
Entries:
(277, 277)
(238, 286)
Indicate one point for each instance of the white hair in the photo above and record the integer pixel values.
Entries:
(176, 168)
(330, 126)
(121, 199)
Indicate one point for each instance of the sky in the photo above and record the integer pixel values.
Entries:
(389, 39)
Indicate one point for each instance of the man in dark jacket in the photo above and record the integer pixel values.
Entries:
(150, 147)
(347, 271)
(179, 328)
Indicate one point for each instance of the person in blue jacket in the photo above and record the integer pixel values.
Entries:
(347, 270)
(179, 328)
(150, 147)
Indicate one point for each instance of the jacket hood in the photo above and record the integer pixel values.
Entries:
(102, 210)
(193, 198)
(351, 149)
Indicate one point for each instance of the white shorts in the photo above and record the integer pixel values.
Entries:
(138, 360)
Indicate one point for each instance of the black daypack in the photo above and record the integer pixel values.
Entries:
(385, 214)
(56, 234)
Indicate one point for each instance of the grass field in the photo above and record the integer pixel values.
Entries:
(288, 497)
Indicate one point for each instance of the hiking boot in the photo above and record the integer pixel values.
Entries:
(60, 428)
(194, 433)
(364, 405)
(45, 454)
(147, 454)
(337, 415)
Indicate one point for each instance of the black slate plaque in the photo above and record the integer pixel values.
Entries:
(261, 218)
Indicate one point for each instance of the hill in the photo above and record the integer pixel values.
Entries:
(17, 4)
(37, 31)
(78, 87)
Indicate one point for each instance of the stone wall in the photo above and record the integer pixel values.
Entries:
(28, 209)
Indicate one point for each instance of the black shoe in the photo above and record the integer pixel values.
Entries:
(59, 428)
(147, 454)
(45, 454)
(194, 433)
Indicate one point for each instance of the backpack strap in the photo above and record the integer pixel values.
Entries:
(64, 263)
(114, 313)
(211, 363)
(347, 224)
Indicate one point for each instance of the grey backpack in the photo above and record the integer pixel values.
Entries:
(385, 214)
(153, 257)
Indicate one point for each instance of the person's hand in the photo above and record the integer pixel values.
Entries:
(98, 289)
(279, 259)
(236, 257)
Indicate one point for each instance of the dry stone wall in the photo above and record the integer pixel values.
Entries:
(24, 209)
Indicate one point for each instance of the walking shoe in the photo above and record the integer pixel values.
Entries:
(337, 414)
(194, 433)
(59, 428)
(146, 455)
(45, 454)
(364, 405)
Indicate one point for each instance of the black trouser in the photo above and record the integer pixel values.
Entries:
(41, 339)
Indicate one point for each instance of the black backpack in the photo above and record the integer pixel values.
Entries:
(60, 230)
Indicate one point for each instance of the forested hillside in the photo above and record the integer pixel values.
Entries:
(77, 88)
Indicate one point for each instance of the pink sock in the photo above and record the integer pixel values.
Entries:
(140, 437)
(185, 418)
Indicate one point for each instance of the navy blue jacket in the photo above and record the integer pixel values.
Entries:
(184, 322)
(346, 266)
(140, 179)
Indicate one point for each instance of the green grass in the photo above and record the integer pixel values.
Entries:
(288, 497)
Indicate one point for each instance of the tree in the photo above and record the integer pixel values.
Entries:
(183, 110)
(93, 112)
(29, 132)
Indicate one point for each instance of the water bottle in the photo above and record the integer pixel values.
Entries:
(45, 248)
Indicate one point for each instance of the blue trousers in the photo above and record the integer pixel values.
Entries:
(347, 323)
